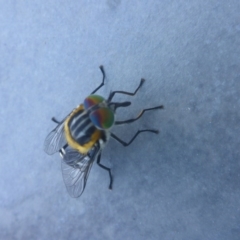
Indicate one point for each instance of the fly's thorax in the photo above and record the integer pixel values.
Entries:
(85, 127)
(80, 133)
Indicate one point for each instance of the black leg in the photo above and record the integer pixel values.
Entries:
(125, 144)
(140, 114)
(55, 120)
(106, 168)
(103, 73)
(127, 93)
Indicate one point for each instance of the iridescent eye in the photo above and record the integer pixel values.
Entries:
(92, 100)
(102, 118)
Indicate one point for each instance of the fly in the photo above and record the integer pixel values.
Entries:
(82, 135)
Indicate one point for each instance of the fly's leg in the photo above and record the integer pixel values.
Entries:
(126, 93)
(55, 120)
(139, 115)
(125, 144)
(103, 73)
(107, 169)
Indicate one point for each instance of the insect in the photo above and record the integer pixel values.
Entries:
(81, 136)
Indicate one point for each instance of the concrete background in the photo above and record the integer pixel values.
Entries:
(180, 184)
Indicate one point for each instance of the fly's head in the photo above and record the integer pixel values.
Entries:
(102, 111)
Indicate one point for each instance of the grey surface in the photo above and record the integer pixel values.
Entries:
(180, 184)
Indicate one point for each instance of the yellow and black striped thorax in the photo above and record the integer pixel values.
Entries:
(88, 123)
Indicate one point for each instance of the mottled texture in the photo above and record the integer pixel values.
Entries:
(181, 184)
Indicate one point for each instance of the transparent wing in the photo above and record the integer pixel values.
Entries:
(55, 140)
(76, 168)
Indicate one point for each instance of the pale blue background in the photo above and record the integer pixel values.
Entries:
(181, 184)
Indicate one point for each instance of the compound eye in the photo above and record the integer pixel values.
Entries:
(102, 118)
(92, 100)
